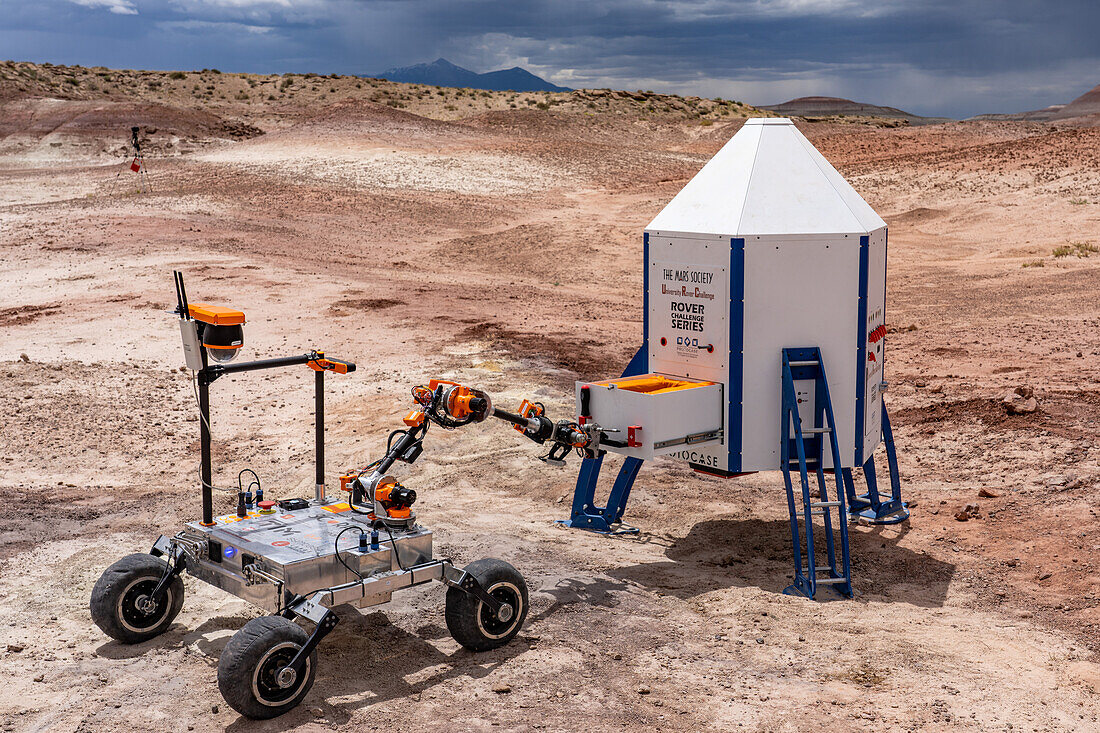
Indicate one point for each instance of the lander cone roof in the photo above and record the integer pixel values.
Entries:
(768, 179)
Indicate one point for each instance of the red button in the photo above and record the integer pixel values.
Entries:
(266, 505)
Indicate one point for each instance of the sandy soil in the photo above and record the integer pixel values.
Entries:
(504, 249)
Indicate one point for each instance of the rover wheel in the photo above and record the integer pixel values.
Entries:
(252, 672)
(121, 604)
(472, 623)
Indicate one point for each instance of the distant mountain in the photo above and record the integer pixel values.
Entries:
(1085, 110)
(443, 73)
(827, 106)
(1035, 115)
(1087, 105)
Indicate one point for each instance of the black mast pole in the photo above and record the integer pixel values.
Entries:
(319, 419)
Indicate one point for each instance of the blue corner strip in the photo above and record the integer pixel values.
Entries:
(737, 351)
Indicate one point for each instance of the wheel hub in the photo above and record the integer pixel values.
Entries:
(505, 613)
(145, 604)
(286, 677)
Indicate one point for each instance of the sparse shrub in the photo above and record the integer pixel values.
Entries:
(706, 123)
(177, 75)
(215, 71)
(1078, 202)
(1077, 249)
(451, 107)
(242, 95)
(76, 82)
(1034, 263)
(543, 105)
(591, 105)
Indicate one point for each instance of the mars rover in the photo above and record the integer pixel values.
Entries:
(298, 559)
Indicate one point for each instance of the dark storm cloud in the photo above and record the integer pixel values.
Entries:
(939, 57)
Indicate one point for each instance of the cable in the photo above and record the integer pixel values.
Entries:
(198, 404)
(336, 547)
(255, 476)
(393, 546)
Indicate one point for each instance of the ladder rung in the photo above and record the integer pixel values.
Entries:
(816, 504)
(809, 461)
(804, 363)
(816, 431)
(831, 581)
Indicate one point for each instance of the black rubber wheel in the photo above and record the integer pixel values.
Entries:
(248, 670)
(121, 605)
(472, 623)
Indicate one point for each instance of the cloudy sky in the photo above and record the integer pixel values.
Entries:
(933, 57)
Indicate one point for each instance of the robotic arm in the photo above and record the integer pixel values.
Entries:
(452, 405)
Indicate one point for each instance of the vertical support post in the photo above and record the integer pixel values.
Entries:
(319, 420)
(205, 471)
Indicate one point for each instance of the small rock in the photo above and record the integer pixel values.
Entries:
(615, 655)
(1025, 391)
(1044, 576)
(16, 648)
(214, 709)
(24, 358)
(760, 641)
(644, 690)
(987, 494)
(1015, 403)
(39, 677)
(503, 689)
(962, 515)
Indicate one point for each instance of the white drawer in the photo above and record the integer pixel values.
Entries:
(655, 413)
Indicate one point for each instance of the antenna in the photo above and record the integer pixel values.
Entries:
(181, 296)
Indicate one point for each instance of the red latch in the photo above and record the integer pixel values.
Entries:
(632, 437)
(586, 409)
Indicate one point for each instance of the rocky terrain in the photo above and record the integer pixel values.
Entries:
(497, 240)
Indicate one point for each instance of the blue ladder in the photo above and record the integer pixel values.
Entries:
(808, 445)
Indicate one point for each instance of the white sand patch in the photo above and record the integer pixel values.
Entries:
(466, 173)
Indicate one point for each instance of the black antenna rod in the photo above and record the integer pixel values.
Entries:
(181, 294)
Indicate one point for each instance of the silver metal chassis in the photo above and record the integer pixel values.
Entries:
(271, 560)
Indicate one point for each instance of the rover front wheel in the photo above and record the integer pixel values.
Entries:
(253, 673)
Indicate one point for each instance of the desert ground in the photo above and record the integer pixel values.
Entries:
(499, 243)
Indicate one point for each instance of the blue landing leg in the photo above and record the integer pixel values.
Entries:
(605, 520)
(870, 507)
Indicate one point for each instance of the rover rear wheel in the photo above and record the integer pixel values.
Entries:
(472, 623)
(122, 604)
